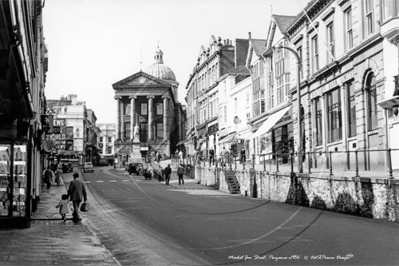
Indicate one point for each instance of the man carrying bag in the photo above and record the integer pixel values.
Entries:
(77, 192)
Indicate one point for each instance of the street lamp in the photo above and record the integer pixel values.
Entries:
(237, 120)
(298, 90)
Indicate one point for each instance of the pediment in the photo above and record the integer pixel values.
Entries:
(140, 79)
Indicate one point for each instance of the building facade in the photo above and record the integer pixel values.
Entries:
(105, 140)
(203, 102)
(23, 67)
(343, 79)
(389, 101)
(77, 141)
(147, 104)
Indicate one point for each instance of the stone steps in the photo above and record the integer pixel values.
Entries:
(232, 184)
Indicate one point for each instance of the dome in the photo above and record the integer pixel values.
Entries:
(158, 69)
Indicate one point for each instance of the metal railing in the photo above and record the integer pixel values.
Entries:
(352, 162)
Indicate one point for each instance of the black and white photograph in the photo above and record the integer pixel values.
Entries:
(185, 132)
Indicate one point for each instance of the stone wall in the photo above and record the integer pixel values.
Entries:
(366, 197)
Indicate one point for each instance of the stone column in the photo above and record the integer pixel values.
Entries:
(150, 116)
(132, 115)
(166, 132)
(118, 117)
(122, 120)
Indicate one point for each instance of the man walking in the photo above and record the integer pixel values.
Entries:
(211, 157)
(48, 175)
(180, 172)
(77, 192)
(168, 172)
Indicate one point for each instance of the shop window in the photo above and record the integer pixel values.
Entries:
(350, 88)
(334, 115)
(319, 122)
(371, 90)
(13, 183)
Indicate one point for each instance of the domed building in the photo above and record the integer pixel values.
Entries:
(149, 115)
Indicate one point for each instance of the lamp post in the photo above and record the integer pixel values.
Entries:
(237, 120)
(298, 90)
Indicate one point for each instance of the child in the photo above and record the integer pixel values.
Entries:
(63, 205)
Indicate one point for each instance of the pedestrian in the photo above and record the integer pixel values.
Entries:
(77, 192)
(48, 176)
(243, 157)
(63, 206)
(211, 157)
(222, 157)
(57, 177)
(180, 173)
(161, 176)
(180, 156)
(168, 172)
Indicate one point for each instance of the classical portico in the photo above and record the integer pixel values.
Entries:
(148, 99)
(125, 133)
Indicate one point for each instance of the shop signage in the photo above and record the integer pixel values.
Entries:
(47, 122)
(213, 129)
(56, 130)
(332, 84)
(48, 145)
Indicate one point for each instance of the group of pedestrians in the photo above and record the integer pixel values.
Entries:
(180, 173)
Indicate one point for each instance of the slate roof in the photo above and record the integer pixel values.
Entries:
(259, 46)
(240, 70)
(283, 22)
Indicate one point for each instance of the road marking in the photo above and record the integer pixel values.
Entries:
(100, 181)
(87, 182)
(126, 180)
(112, 181)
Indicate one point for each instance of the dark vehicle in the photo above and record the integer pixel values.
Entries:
(135, 168)
(147, 174)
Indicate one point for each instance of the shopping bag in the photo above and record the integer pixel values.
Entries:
(84, 207)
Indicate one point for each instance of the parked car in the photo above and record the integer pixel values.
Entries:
(135, 168)
(88, 167)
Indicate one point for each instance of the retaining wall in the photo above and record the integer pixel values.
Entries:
(366, 197)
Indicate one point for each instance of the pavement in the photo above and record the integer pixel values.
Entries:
(50, 240)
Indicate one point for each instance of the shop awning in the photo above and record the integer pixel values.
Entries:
(180, 142)
(229, 138)
(389, 103)
(270, 122)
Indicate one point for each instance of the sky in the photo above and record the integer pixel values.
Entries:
(93, 44)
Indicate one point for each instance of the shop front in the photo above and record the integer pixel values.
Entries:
(19, 161)
(274, 136)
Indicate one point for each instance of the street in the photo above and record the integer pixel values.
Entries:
(145, 222)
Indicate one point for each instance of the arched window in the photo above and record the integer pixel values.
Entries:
(371, 91)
